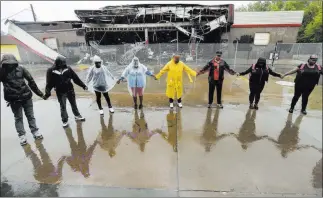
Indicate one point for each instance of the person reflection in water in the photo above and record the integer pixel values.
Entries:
(288, 138)
(247, 134)
(140, 133)
(109, 138)
(317, 175)
(174, 125)
(80, 155)
(44, 170)
(210, 136)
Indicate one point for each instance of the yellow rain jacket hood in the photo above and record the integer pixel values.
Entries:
(175, 77)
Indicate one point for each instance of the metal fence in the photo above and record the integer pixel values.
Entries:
(239, 56)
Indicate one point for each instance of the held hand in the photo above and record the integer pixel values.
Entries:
(118, 82)
(282, 76)
(238, 74)
(155, 77)
(86, 88)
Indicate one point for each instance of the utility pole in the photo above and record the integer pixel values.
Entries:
(32, 10)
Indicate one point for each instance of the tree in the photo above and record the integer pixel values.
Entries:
(311, 29)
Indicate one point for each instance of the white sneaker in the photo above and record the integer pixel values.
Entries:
(180, 105)
(37, 135)
(65, 124)
(101, 112)
(23, 140)
(79, 118)
(111, 110)
(171, 105)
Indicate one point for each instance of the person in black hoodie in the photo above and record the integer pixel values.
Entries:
(18, 95)
(308, 76)
(216, 68)
(259, 74)
(60, 76)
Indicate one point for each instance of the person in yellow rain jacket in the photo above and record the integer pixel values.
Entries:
(175, 69)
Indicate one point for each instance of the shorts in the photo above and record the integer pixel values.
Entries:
(137, 91)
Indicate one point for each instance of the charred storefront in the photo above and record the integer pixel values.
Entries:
(114, 25)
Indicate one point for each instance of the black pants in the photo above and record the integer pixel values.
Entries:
(98, 99)
(255, 91)
(171, 100)
(303, 90)
(62, 101)
(218, 85)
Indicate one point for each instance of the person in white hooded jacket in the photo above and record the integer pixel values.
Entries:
(135, 73)
(99, 81)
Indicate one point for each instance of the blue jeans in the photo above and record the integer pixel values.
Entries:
(28, 108)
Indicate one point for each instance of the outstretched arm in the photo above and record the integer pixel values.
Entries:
(293, 71)
(204, 69)
(271, 72)
(228, 69)
(189, 70)
(49, 83)
(31, 83)
(89, 76)
(76, 79)
(246, 72)
(162, 71)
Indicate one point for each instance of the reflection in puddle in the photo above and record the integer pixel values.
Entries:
(109, 138)
(80, 155)
(44, 169)
(288, 139)
(210, 130)
(140, 133)
(174, 126)
(317, 175)
(247, 133)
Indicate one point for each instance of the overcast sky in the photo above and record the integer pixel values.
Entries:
(64, 10)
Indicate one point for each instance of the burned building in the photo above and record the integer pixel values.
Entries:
(157, 23)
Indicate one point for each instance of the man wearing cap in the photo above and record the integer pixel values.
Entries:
(307, 77)
(216, 68)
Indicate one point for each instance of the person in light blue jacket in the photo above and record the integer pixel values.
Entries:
(135, 73)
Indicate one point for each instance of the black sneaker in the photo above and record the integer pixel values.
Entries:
(140, 106)
(255, 107)
(304, 112)
(291, 110)
(220, 106)
(251, 106)
(209, 106)
(135, 106)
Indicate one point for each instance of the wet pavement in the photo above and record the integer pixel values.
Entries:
(192, 151)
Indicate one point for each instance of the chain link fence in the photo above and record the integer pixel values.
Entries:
(239, 56)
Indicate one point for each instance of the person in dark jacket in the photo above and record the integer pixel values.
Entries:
(60, 76)
(259, 74)
(308, 76)
(216, 68)
(18, 95)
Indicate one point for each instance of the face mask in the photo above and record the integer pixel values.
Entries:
(135, 64)
(97, 64)
(176, 60)
(311, 61)
(217, 57)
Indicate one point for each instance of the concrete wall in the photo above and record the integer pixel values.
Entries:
(285, 34)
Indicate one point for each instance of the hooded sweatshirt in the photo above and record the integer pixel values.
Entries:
(260, 73)
(60, 76)
(13, 76)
